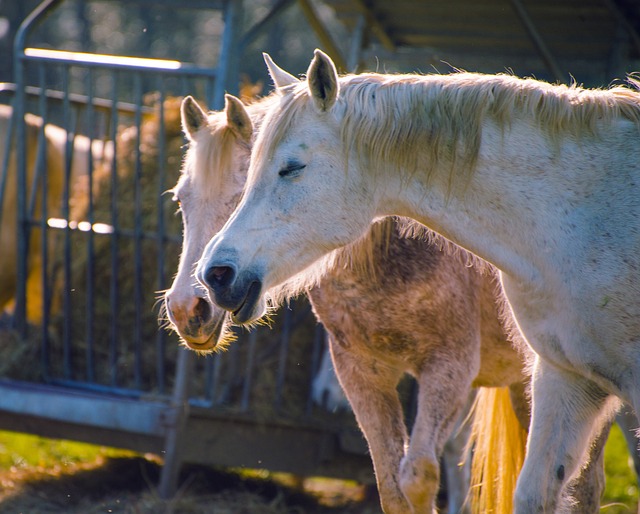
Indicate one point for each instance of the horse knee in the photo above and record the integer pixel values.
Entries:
(393, 504)
(527, 500)
(419, 481)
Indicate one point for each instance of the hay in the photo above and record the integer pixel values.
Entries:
(19, 358)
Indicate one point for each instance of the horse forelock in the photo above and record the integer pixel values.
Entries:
(211, 155)
(415, 122)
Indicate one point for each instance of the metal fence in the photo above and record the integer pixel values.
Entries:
(96, 240)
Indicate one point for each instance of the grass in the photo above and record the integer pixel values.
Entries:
(44, 476)
(37, 475)
(23, 451)
(621, 493)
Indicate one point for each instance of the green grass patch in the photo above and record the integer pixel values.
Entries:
(621, 493)
(24, 450)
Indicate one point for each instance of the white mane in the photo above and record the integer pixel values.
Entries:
(398, 119)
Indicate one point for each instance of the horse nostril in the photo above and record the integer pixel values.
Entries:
(202, 310)
(219, 277)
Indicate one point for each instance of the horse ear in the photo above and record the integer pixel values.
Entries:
(322, 77)
(193, 117)
(280, 77)
(238, 118)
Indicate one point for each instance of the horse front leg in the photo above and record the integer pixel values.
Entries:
(444, 386)
(584, 492)
(628, 422)
(568, 411)
(370, 387)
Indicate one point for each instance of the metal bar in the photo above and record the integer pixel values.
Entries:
(537, 40)
(39, 14)
(184, 86)
(113, 61)
(376, 26)
(39, 168)
(227, 62)
(179, 411)
(624, 21)
(282, 357)
(91, 271)
(208, 379)
(260, 27)
(179, 4)
(357, 43)
(95, 387)
(231, 369)
(320, 344)
(248, 374)
(113, 284)
(103, 228)
(215, 379)
(75, 99)
(67, 306)
(137, 241)
(43, 10)
(161, 232)
(46, 283)
(323, 34)
(4, 178)
(209, 92)
(88, 409)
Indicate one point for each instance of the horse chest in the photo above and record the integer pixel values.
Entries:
(577, 332)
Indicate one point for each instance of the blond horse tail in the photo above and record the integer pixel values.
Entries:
(498, 446)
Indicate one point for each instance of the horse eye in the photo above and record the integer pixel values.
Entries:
(292, 169)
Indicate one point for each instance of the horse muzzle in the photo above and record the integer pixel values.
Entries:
(238, 293)
(198, 323)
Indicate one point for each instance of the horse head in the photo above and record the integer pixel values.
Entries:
(300, 203)
(212, 178)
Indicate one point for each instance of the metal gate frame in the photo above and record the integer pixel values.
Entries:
(178, 425)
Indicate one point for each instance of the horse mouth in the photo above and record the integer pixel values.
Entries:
(244, 314)
(202, 346)
(214, 333)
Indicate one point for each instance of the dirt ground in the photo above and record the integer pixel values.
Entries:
(126, 485)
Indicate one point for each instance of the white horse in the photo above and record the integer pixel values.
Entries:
(453, 314)
(539, 180)
(222, 141)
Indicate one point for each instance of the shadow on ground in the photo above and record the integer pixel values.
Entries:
(127, 485)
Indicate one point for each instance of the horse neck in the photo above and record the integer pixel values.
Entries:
(487, 213)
